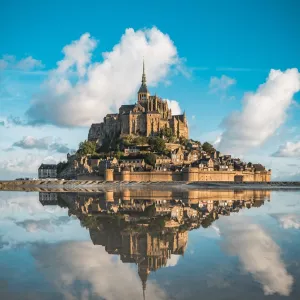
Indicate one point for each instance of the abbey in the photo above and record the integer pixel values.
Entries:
(145, 118)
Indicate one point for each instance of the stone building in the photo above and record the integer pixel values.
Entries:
(47, 171)
(145, 118)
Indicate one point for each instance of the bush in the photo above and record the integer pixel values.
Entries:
(207, 147)
(157, 144)
(150, 159)
(87, 147)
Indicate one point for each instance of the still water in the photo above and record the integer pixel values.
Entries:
(134, 244)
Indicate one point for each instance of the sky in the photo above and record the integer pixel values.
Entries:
(231, 66)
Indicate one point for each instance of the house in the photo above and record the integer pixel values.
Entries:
(177, 156)
(135, 162)
(162, 160)
(206, 163)
(191, 156)
(107, 164)
(47, 171)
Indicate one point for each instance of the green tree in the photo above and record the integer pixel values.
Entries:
(207, 147)
(150, 159)
(140, 140)
(157, 144)
(87, 147)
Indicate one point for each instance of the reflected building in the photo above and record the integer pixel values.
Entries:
(147, 227)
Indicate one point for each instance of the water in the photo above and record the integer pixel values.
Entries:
(119, 245)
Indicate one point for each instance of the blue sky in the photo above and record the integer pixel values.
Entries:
(210, 53)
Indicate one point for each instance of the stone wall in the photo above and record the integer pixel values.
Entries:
(190, 175)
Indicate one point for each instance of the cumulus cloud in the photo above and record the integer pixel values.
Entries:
(220, 84)
(175, 107)
(80, 92)
(258, 254)
(25, 64)
(289, 221)
(289, 149)
(24, 165)
(45, 143)
(172, 262)
(69, 264)
(262, 114)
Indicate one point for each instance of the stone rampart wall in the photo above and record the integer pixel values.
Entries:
(189, 175)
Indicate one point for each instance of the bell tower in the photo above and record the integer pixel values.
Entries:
(143, 93)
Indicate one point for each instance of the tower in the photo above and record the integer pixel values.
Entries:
(143, 93)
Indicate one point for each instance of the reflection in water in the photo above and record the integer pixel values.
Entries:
(149, 227)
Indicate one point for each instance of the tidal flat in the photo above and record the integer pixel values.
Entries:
(153, 243)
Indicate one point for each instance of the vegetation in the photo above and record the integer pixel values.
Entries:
(61, 166)
(207, 147)
(150, 159)
(140, 140)
(87, 147)
(157, 144)
(150, 211)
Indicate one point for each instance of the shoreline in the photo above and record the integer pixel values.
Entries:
(94, 185)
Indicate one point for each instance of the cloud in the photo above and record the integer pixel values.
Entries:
(220, 84)
(45, 143)
(79, 92)
(30, 142)
(172, 262)
(258, 254)
(175, 107)
(81, 263)
(289, 221)
(262, 114)
(25, 64)
(289, 149)
(20, 165)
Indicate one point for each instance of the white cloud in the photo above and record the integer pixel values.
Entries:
(220, 84)
(289, 149)
(263, 112)
(80, 92)
(172, 262)
(24, 166)
(175, 107)
(290, 221)
(45, 143)
(258, 254)
(25, 64)
(69, 264)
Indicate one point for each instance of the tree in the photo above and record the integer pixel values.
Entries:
(87, 147)
(157, 144)
(140, 140)
(207, 147)
(150, 159)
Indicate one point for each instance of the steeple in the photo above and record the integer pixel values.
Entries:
(144, 75)
(143, 89)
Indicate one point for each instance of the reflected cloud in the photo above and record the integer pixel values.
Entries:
(289, 221)
(80, 264)
(258, 254)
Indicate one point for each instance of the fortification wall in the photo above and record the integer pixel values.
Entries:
(190, 175)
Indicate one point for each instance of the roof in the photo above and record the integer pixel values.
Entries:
(258, 167)
(47, 166)
(143, 88)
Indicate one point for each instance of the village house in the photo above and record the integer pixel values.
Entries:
(47, 171)
(134, 162)
(177, 156)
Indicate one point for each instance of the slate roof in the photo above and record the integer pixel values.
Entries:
(47, 166)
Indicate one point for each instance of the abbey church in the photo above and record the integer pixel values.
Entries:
(145, 118)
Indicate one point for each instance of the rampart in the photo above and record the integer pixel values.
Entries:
(188, 175)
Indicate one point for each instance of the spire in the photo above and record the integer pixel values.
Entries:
(143, 88)
(144, 75)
